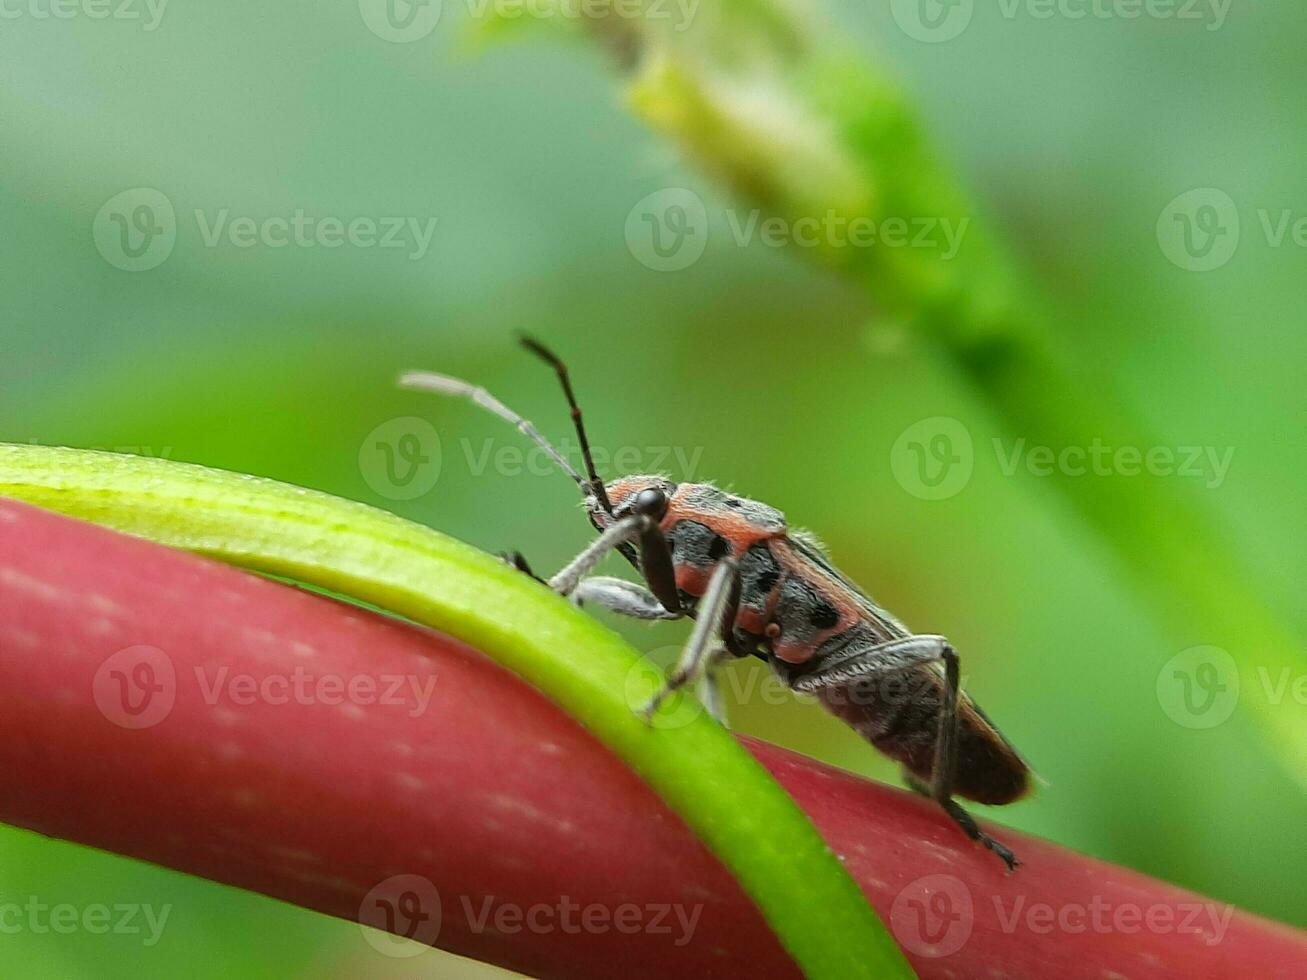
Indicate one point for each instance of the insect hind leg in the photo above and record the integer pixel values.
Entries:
(896, 656)
(964, 820)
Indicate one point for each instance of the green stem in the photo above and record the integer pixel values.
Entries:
(725, 797)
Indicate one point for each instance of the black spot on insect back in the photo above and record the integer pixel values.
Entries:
(759, 573)
(697, 544)
(824, 616)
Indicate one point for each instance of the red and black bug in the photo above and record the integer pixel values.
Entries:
(755, 587)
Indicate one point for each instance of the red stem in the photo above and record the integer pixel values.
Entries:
(486, 790)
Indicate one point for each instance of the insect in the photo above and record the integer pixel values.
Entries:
(756, 587)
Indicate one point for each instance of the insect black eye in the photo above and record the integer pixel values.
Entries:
(651, 502)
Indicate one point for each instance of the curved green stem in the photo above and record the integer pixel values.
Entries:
(725, 797)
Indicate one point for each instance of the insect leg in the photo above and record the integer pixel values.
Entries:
(710, 692)
(614, 536)
(518, 561)
(622, 597)
(710, 625)
(963, 819)
(902, 654)
(655, 559)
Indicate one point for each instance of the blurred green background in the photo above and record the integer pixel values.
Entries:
(768, 373)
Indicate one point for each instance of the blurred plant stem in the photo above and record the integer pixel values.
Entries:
(799, 130)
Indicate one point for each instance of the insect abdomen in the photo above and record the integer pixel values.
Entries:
(899, 715)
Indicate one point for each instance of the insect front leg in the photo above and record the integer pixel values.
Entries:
(903, 654)
(655, 559)
(716, 616)
(622, 597)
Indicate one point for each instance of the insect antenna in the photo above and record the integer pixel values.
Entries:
(549, 357)
(443, 384)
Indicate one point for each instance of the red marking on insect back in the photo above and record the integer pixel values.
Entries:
(691, 579)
